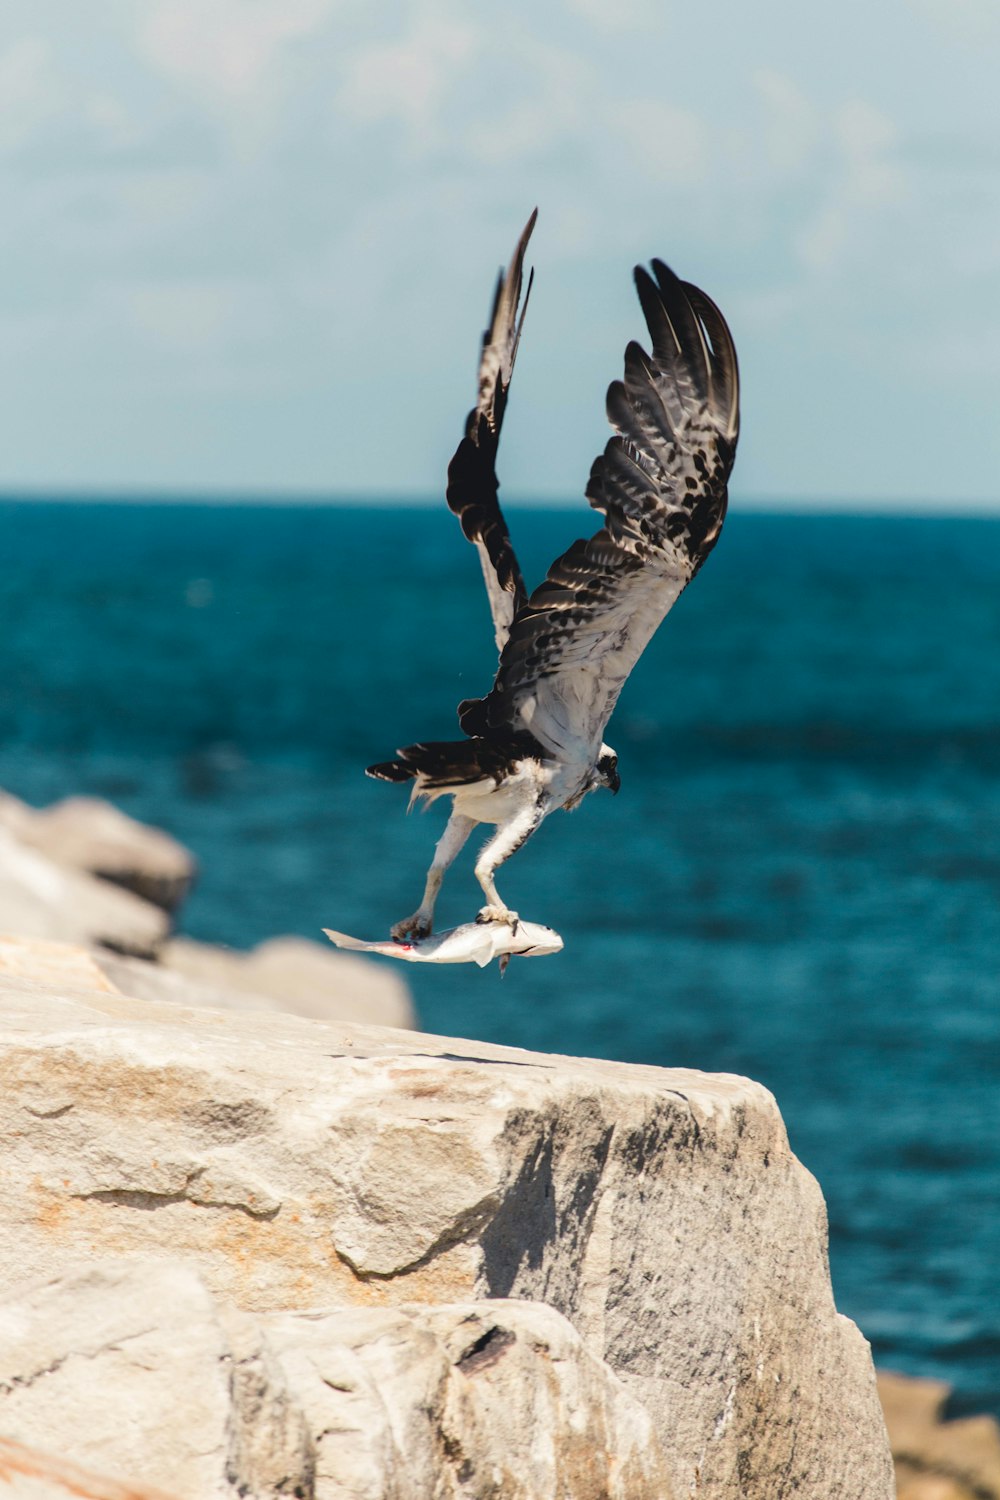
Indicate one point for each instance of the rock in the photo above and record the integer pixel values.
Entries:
(55, 964)
(125, 1373)
(28, 1474)
(341, 999)
(42, 899)
(300, 1164)
(300, 977)
(152, 981)
(15, 815)
(495, 1399)
(86, 833)
(937, 1459)
(137, 1367)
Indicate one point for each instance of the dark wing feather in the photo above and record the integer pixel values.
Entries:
(472, 481)
(661, 485)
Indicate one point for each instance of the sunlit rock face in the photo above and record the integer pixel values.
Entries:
(296, 1168)
(496, 1398)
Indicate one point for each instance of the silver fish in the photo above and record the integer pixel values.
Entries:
(472, 943)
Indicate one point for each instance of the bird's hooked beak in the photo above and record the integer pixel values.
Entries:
(607, 769)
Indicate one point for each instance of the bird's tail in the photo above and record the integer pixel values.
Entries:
(440, 765)
(447, 765)
(392, 770)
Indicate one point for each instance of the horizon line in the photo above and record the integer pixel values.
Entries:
(755, 504)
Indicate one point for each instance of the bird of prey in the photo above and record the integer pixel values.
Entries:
(535, 742)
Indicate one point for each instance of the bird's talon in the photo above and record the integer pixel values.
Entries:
(415, 927)
(499, 914)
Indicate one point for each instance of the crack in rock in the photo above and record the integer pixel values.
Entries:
(487, 1350)
(464, 1228)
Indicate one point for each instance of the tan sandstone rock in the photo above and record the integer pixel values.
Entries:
(123, 1372)
(53, 964)
(40, 898)
(301, 1165)
(360, 988)
(937, 1459)
(300, 978)
(464, 1400)
(29, 1474)
(86, 833)
(135, 1366)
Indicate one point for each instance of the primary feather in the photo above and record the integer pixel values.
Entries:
(473, 487)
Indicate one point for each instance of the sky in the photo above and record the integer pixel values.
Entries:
(250, 245)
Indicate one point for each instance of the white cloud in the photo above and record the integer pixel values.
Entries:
(409, 79)
(868, 139)
(614, 14)
(668, 143)
(791, 128)
(867, 181)
(225, 47)
(551, 91)
(195, 316)
(30, 92)
(970, 20)
(111, 121)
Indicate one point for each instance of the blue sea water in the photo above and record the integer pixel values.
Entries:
(799, 881)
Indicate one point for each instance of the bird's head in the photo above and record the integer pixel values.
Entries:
(607, 769)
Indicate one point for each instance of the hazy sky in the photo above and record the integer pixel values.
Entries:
(251, 243)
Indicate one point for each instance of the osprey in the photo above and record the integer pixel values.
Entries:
(535, 742)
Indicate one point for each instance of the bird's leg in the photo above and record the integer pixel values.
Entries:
(505, 842)
(456, 832)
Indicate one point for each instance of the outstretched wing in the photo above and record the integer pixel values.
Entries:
(661, 484)
(472, 480)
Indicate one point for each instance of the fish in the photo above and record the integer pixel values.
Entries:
(472, 943)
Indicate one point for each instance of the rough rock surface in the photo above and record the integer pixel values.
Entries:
(86, 833)
(137, 1368)
(42, 899)
(300, 1165)
(56, 964)
(29, 1474)
(299, 977)
(937, 1459)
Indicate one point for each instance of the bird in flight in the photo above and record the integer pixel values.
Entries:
(535, 742)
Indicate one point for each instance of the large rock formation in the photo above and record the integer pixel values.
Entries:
(298, 1165)
(489, 1399)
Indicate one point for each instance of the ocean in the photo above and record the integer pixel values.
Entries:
(799, 880)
